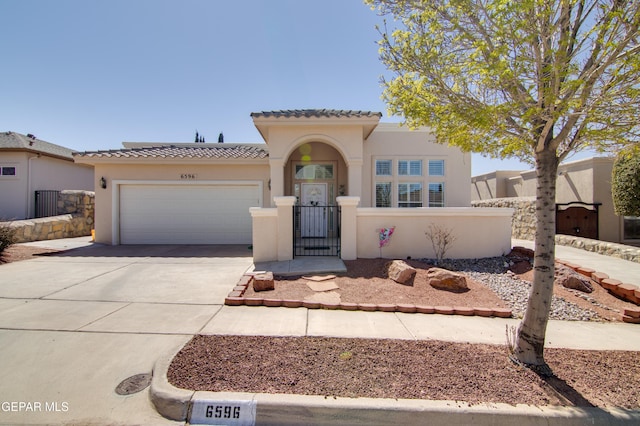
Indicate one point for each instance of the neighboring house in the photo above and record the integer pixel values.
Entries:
(583, 195)
(324, 183)
(29, 165)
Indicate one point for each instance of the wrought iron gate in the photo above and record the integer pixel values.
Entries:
(316, 230)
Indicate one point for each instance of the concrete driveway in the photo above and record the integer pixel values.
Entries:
(74, 325)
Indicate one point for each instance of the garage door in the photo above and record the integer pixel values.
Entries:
(187, 214)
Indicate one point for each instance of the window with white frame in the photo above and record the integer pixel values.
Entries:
(409, 167)
(436, 167)
(383, 194)
(7, 170)
(436, 194)
(410, 194)
(383, 168)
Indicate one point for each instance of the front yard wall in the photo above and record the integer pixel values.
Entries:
(75, 219)
(478, 232)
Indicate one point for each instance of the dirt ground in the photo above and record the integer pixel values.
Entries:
(17, 253)
(434, 370)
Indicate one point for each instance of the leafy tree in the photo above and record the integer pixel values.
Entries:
(534, 79)
(625, 182)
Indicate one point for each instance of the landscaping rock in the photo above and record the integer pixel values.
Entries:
(400, 272)
(444, 279)
(263, 282)
(568, 278)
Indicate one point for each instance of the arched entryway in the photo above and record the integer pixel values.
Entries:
(315, 174)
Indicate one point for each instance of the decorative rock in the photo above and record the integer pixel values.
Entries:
(446, 280)
(263, 282)
(400, 272)
(570, 279)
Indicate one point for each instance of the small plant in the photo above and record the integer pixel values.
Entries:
(512, 337)
(346, 355)
(7, 237)
(441, 240)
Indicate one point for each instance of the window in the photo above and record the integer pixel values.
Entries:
(410, 168)
(436, 194)
(410, 195)
(383, 194)
(314, 171)
(436, 167)
(383, 167)
(631, 227)
(8, 171)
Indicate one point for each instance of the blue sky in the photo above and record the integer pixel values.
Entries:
(91, 74)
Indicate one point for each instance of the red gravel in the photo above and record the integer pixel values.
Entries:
(403, 369)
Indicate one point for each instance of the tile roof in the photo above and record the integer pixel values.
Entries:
(318, 113)
(17, 141)
(210, 151)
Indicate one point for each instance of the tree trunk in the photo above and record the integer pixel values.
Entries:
(529, 348)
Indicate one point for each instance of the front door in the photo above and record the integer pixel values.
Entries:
(313, 220)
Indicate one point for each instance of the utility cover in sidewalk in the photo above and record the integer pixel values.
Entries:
(133, 384)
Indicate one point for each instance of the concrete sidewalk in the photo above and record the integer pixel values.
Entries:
(623, 270)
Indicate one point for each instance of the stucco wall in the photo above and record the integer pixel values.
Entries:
(167, 173)
(14, 190)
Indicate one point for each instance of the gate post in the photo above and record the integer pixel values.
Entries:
(349, 228)
(284, 206)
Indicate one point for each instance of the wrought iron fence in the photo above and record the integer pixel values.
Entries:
(46, 203)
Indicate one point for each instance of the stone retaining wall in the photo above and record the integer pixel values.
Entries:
(75, 219)
(606, 248)
(523, 222)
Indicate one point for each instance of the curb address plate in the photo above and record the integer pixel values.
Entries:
(236, 413)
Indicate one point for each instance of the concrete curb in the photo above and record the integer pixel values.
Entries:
(282, 409)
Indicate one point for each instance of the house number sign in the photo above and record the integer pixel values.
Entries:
(188, 176)
(236, 413)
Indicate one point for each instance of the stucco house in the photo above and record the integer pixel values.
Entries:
(228, 193)
(583, 197)
(28, 167)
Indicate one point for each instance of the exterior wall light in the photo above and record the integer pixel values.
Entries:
(103, 183)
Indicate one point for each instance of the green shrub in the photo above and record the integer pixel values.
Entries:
(625, 182)
(7, 237)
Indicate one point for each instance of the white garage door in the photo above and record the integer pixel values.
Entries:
(187, 214)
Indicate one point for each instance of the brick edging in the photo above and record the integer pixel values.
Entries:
(236, 298)
(627, 292)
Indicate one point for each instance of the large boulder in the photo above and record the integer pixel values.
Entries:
(444, 279)
(263, 282)
(400, 272)
(569, 278)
